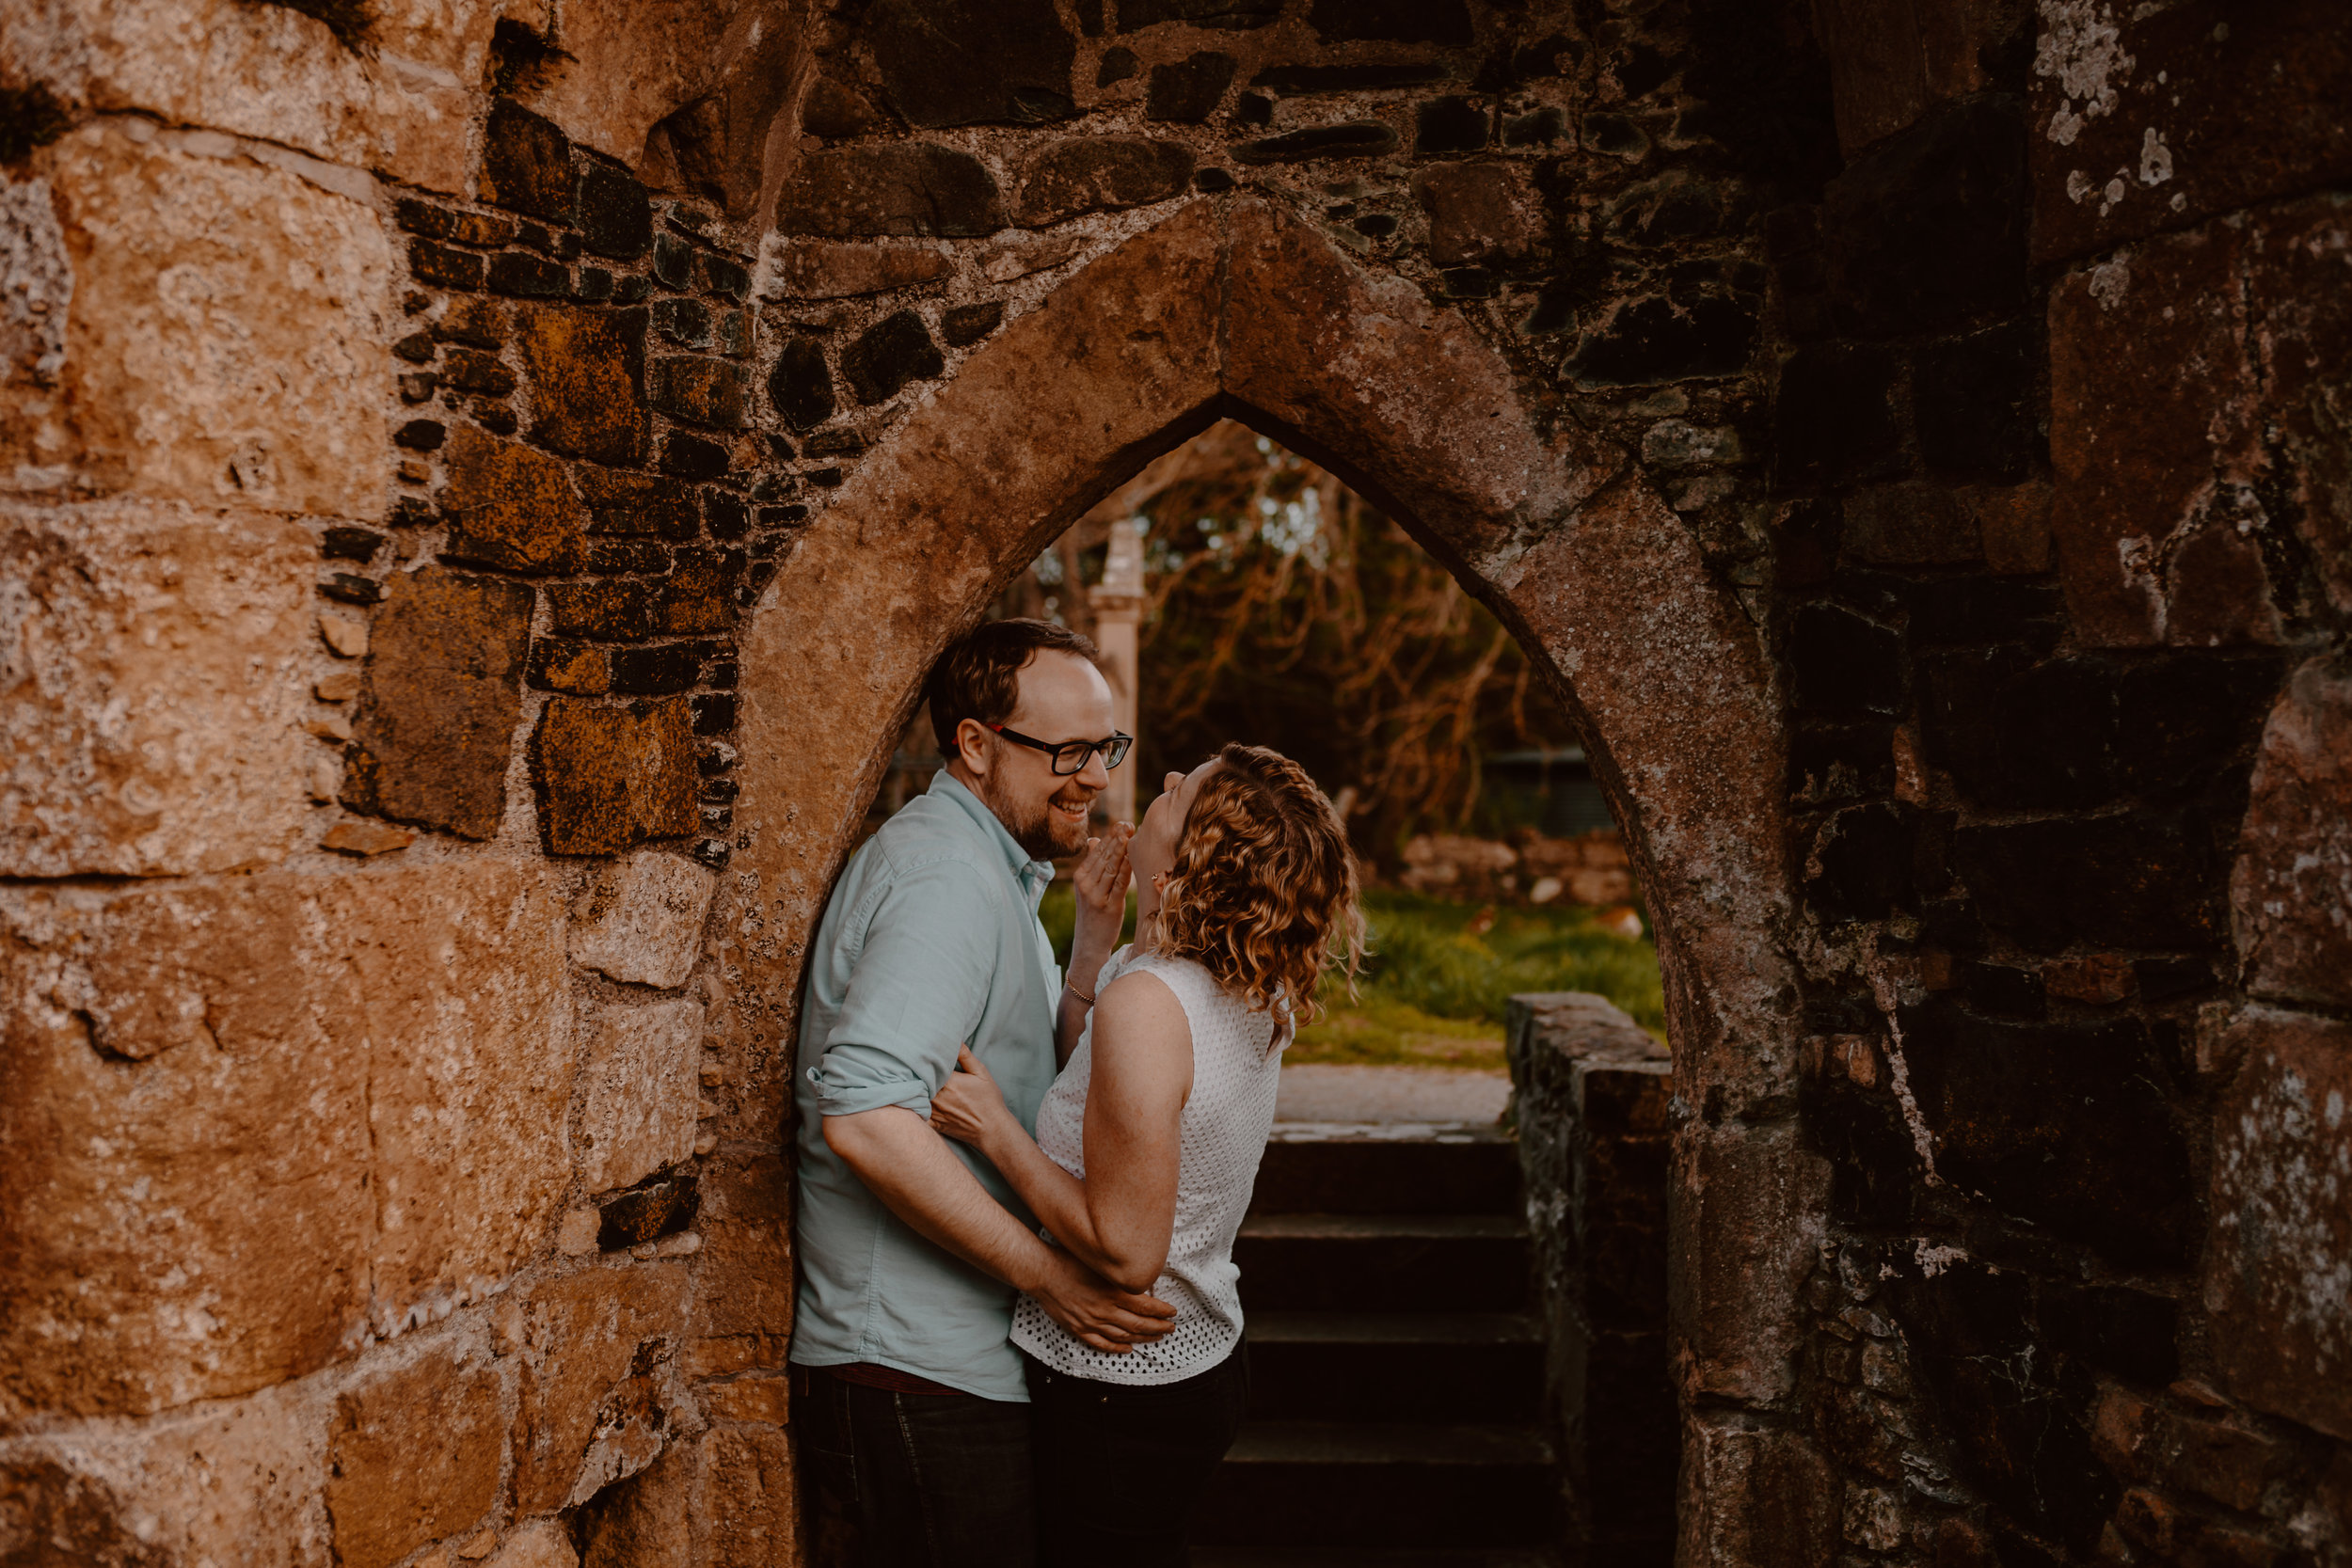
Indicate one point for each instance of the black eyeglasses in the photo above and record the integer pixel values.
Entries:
(1070, 756)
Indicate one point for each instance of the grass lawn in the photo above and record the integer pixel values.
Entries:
(1435, 987)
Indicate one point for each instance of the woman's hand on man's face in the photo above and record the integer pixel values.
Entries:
(1100, 884)
(969, 1103)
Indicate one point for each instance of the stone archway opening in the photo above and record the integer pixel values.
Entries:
(1229, 309)
(1453, 1272)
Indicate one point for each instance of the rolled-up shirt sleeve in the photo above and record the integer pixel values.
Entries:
(916, 995)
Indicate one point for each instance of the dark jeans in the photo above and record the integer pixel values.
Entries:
(914, 1480)
(1119, 1469)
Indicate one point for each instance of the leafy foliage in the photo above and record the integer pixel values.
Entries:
(1286, 611)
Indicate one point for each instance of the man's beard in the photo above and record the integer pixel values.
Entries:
(1043, 836)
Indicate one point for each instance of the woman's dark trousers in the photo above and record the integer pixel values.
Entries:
(1118, 1468)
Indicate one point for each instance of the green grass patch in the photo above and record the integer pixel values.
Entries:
(1436, 985)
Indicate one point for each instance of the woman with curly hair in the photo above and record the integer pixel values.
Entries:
(1147, 1143)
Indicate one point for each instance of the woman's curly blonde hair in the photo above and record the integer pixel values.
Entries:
(1262, 890)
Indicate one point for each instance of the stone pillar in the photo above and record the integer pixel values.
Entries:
(1117, 605)
(1591, 1096)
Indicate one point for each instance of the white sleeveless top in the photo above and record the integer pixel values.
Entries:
(1226, 1122)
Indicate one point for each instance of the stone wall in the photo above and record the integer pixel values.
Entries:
(1591, 1099)
(480, 486)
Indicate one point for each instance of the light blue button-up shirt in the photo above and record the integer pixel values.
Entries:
(931, 940)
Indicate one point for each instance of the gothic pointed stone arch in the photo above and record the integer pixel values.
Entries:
(1231, 306)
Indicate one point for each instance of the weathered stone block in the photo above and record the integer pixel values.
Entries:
(643, 1076)
(801, 385)
(698, 595)
(597, 1393)
(2296, 261)
(893, 351)
(151, 676)
(2060, 1123)
(1845, 663)
(2281, 1246)
(1747, 1218)
(413, 1456)
(1004, 63)
(527, 163)
(684, 322)
(2175, 432)
(471, 372)
(824, 269)
(647, 1519)
(587, 371)
(1365, 138)
(645, 923)
(1927, 231)
(636, 505)
(237, 1481)
(443, 267)
(748, 1513)
(615, 215)
(626, 68)
(1974, 405)
(1832, 419)
(700, 390)
(436, 715)
(765, 1399)
(655, 672)
(527, 276)
(1890, 61)
(608, 612)
(163, 1048)
(610, 778)
(511, 506)
(2014, 525)
(2144, 121)
(2291, 890)
(561, 665)
(1478, 213)
(480, 230)
(1187, 91)
(902, 188)
(541, 1543)
(1092, 174)
(69, 1515)
(1913, 524)
(965, 324)
(225, 338)
(1762, 1497)
(2136, 880)
(273, 73)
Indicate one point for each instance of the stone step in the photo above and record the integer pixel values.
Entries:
(1446, 1366)
(1388, 1168)
(1390, 1263)
(1385, 1485)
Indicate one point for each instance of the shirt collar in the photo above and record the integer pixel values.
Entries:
(1032, 875)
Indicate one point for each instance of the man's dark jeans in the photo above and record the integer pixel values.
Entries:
(916, 1481)
(1120, 1468)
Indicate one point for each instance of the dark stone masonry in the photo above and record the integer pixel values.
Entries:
(481, 490)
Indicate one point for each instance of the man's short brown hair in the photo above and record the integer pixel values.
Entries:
(979, 675)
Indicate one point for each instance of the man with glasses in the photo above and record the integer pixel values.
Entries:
(910, 1404)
